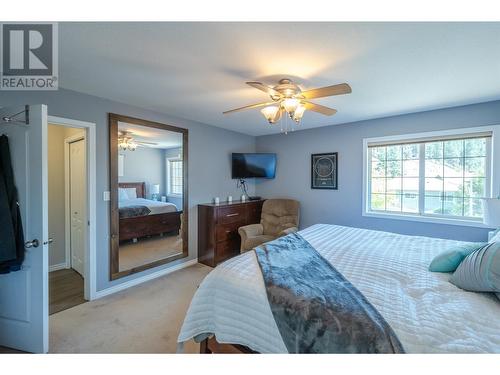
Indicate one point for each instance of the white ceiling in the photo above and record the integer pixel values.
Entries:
(161, 138)
(197, 70)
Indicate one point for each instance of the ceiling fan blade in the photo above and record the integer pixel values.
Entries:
(268, 90)
(319, 108)
(146, 143)
(321, 92)
(249, 107)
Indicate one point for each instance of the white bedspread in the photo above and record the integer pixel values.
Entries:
(428, 314)
(156, 207)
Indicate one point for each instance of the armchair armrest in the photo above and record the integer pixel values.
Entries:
(251, 230)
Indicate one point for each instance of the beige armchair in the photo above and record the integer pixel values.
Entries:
(279, 218)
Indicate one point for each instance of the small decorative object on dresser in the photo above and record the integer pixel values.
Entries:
(324, 171)
(218, 237)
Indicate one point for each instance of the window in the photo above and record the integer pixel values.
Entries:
(174, 176)
(429, 176)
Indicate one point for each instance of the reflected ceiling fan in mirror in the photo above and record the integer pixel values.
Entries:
(288, 98)
(126, 141)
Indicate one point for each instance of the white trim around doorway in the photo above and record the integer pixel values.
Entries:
(90, 259)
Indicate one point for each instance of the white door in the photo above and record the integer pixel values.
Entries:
(78, 199)
(24, 309)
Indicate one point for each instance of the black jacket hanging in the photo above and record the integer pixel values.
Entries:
(11, 228)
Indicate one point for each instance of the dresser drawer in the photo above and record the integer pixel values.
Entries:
(227, 232)
(226, 249)
(234, 214)
(218, 238)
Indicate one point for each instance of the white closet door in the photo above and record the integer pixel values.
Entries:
(78, 197)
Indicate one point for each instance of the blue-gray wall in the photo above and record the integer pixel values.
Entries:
(344, 206)
(145, 165)
(209, 169)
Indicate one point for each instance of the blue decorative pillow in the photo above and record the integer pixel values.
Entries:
(451, 259)
(480, 271)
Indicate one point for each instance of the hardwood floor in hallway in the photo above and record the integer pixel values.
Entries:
(65, 290)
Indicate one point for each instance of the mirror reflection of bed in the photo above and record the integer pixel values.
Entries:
(150, 200)
(149, 230)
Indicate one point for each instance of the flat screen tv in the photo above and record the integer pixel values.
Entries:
(253, 165)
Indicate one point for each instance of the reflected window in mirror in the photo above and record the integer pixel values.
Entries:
(174, 177)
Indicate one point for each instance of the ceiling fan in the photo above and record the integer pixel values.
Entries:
(288, 97)
(127, 142)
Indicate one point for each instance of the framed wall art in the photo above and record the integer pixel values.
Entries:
(324, 171)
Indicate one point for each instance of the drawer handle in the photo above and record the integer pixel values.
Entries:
(229, 215)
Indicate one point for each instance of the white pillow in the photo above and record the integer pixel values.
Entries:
(131, 193)
(125, 194)
(122, 194)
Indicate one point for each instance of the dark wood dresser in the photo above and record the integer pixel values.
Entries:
(218, 224)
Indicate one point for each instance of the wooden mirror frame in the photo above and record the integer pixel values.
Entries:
(114, 267)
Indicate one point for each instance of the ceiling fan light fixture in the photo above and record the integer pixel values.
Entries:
(271, 113)
(290, 105)
(298, 113)
(126, 143)
(131, 146)
(122, 144)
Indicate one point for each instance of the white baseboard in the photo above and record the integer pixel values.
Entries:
(57, 267)
(143, 279)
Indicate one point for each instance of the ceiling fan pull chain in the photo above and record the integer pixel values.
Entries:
(286, 125)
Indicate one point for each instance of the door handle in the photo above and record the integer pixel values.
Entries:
(49, 241)
(33, 243)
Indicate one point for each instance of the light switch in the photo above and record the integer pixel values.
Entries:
(106, 196)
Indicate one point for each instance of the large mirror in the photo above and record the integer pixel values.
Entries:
(148, 181)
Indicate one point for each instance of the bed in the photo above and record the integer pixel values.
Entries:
(426, 311)
(157, 217)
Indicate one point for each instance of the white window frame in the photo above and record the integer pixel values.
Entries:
(169, 191)
(492, 183)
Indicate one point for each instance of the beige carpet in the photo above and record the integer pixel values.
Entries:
(148, 250)
(143, 319)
